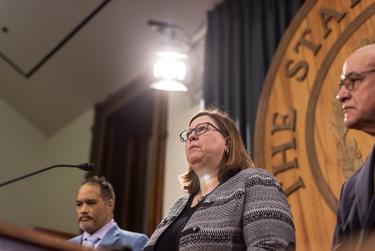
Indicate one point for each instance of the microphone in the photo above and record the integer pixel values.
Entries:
(83, 166)
(86, 166)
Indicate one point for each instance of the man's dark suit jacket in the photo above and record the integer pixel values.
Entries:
(356, 210)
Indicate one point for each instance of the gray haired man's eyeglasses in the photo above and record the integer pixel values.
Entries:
(198, 130)
(350, 79)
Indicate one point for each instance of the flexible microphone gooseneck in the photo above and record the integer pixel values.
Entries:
(83, 166)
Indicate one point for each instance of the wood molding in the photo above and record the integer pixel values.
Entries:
(13, 237)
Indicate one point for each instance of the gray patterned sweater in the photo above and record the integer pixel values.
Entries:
(247, 212)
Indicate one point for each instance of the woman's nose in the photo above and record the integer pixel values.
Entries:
(193, 136)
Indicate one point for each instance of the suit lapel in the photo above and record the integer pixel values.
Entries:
(78, 239)
(364, 188)
(111, 237)
(370, 218)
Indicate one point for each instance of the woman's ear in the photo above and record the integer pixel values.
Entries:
(227, 144)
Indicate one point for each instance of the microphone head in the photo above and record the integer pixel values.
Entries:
(86, 166)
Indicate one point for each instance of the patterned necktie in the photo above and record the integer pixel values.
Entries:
(90, 241)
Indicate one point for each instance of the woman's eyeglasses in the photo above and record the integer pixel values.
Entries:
(198, 130)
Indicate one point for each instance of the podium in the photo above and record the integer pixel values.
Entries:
(17, 238)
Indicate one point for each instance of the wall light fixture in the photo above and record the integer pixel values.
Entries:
(171, 65)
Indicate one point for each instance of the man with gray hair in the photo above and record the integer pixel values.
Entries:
(356, 210)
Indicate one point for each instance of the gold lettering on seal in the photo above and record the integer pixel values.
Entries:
(285, 122)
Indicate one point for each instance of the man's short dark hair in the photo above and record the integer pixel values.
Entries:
(106, 189)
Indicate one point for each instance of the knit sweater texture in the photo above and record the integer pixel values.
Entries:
(249, 211)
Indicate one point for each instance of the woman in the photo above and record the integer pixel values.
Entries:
(230, 205)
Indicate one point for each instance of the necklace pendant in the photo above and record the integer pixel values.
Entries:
(201, 198)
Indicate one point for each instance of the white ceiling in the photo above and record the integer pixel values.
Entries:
(112, 48)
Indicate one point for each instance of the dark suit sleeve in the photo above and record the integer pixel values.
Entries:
(338, 234)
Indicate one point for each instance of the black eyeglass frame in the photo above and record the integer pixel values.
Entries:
(183, 139)
(349, 80)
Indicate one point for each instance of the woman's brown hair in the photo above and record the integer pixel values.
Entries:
(233, 161)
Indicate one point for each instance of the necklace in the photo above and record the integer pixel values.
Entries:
(201, 198)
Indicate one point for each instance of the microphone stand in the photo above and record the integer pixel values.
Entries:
(33, 173)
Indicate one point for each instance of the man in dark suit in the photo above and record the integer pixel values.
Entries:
(356, 210)
(94, 207)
